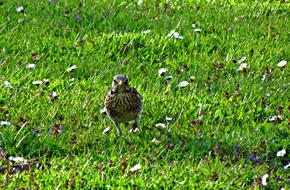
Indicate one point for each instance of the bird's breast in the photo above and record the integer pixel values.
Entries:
(123, 107)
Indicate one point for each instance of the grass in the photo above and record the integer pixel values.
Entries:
(220, 136)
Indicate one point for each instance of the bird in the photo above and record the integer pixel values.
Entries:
(123, 103)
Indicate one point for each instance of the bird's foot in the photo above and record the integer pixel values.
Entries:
(119, 133)
(103, 111)
(135, 128)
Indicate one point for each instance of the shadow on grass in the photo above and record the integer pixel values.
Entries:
(170, 145)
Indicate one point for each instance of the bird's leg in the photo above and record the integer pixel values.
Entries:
(104, 114)
(119, 132)
(104, 121)
(135, 126)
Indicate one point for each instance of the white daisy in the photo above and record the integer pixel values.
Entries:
(242, 67)
(160, 126)
(139, 3)
(7, 84)
(242, 59)
(168, 77)
(106, 130)
(135, 168)
(71, 68)
(183, 84)
(282, 63)
(281, 153)
(146, 32)
(174, 35)
(31, 66)
(264, 179)
(162, 71)
(5, 123)
(286, 166)
(168, 118)
(20, 9)
(37, 82)
(155, 141)
(16, 159)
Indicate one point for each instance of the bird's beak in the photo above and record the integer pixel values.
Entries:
(121, 83)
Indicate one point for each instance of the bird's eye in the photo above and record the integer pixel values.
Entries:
(115, 81)
(126, 81)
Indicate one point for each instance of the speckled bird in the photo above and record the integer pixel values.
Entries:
(123, 103)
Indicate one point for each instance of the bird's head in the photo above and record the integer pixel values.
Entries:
(120, 84)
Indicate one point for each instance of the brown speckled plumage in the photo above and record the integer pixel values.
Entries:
(123, 103)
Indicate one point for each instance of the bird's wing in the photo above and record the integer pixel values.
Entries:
(108, 97)
(136, 100)
(134, 91)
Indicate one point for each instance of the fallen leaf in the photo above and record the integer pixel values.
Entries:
(81, 42)
(178, 71)
(267, 70)
(128, 46)
(3, 155)
(170, 146)
(55, 129)
(219, 66)
(33, 56)
(214, 176)
(124, 164)
(185, 66)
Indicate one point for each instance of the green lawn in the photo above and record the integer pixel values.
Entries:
(227, 124)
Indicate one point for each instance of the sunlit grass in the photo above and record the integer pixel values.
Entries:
(225, 84)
